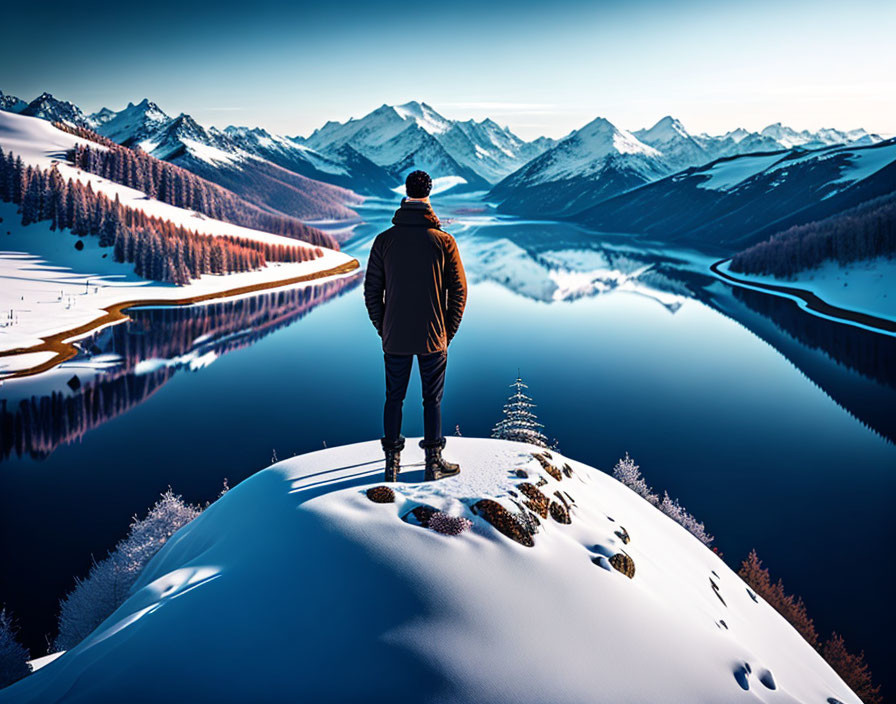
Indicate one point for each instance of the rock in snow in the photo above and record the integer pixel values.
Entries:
(294, 586)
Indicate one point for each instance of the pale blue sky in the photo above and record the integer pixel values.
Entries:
(542, 68)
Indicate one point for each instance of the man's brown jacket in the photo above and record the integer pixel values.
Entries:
(415, 288)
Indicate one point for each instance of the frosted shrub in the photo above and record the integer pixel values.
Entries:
(629, 473)
(13, 656)
(677, 513)
(108, 583)
(448, 525)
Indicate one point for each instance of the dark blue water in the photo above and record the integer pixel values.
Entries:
(773, 427)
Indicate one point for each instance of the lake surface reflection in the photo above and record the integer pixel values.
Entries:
(773, 426)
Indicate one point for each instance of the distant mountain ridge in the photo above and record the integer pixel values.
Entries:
(600, 161)
(371, 155)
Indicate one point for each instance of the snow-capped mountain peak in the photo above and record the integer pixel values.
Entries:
(665, 130)
(601, 137)
(133, 124)
(413, 135)
(11, 103)
(47, 107)
(737, 135)
(424, 116)
(786, 136)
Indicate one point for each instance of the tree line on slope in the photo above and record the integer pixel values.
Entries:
(860, 233)
(181, 188)
(159, 249)
(850, 666)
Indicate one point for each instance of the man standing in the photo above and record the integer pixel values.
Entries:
(415, 290)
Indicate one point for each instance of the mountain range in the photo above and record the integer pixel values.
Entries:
(324, 174)
(600, 161)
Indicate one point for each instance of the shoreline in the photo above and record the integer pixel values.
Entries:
(812, 302)
(61, 343)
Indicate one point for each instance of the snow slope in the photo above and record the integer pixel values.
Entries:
(294, 586)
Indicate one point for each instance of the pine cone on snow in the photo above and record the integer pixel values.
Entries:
(548, 467)
(537, 502)
(503, 521)
(624, 563)
(560, 513)
(381, 495)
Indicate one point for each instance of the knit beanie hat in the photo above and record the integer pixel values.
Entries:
(418, 184)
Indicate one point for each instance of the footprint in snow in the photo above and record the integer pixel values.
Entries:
(602, 561)
(767, 679)
(742, 674)
(715, 589)
(601, 550)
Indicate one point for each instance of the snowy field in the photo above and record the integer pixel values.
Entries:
(295, 586)
(866, 287)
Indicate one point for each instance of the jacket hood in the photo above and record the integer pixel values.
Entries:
(415, 214)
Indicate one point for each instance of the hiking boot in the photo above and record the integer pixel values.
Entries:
(393, 457)
(393, 464)
(436, 466)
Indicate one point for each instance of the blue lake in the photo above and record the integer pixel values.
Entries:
(772, 426)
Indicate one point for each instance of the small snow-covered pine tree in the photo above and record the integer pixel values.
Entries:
(519, 422)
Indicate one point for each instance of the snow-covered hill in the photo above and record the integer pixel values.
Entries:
(295, 586)
(740, 200)
(414, 136)
(44, 278)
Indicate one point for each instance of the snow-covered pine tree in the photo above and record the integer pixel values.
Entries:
(519, 423)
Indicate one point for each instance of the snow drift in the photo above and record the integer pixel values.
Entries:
(297, 586)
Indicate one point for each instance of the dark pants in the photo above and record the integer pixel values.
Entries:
(432, 377)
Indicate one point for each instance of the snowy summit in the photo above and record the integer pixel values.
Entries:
(528, 578)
